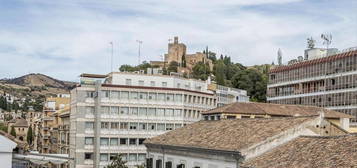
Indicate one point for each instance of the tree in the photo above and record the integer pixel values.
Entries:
(3, 127)
(29, 135)
(13, 132)
(172, 67)
(252, 81)
(201, 71)
(219, 72)
(117, 163)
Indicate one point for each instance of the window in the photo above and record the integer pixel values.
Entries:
(103, 157)
(178, 112)
(152, 83)
(141, 157)
(152, 126)
(104, 125)
(89, 94)
(89, 125)
(168, 164)
(124, 110)
(104, 141)
(141, 83)
(161, 96)
(169, 97)
(88, 156)
(169, 112)
(169, 127)
(132, 141)
(124, 156)
(134, 111)
(160, 112)
(178, 98)
(88, 140)
(134, 95)
(133, 126)
(164, 84)
(123, 141)
(105, 110)
(152, 96)
(142, 111)
(114, 110)
(143, 96)
(123, 125)
(161, 127)
(114, 95)
(149, 162)
(124, 95)
(128, 81)
(112, 156)
(141, 141)
(142, 126)
(114, 142)
(231, 117)
(114, 125)
(151, 112)
(106, 93)
(89, 110)
(159, 163)
(133, 157)
(178, 126)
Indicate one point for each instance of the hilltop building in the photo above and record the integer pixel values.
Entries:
(177, 53)
(113, 114)
(325, 79)
(228, 143)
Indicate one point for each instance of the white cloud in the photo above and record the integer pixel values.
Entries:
(81, 31)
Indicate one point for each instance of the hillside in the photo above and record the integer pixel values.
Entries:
(34, 85)
(40, 80)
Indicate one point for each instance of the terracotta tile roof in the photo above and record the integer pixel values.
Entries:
(275, 109)
(310, 152)
(227, 135)
(21, 123)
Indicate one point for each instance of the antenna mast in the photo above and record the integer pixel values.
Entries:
(111, 58)
(139, 42)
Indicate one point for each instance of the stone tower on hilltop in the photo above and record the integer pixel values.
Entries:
(176, 52)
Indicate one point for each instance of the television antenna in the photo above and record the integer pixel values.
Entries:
(327, 39)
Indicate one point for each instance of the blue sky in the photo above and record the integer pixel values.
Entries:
(68, 37)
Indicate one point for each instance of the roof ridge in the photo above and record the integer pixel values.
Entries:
(327, 137)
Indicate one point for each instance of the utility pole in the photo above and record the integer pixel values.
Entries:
(111, 58)
(139, 42)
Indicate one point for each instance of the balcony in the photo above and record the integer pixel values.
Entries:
(48, 118)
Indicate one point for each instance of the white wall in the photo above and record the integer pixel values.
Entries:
(191, 162)
(6, 147)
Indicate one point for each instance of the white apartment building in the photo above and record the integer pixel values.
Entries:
(115, 113)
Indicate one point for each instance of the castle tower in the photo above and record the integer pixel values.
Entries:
(176, 52)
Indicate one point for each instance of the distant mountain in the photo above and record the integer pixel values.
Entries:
(34, 86)
(40, 80)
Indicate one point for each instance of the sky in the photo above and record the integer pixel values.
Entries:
(65, 38)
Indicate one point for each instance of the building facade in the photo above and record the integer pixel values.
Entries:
(115, 113)
(328, 81)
